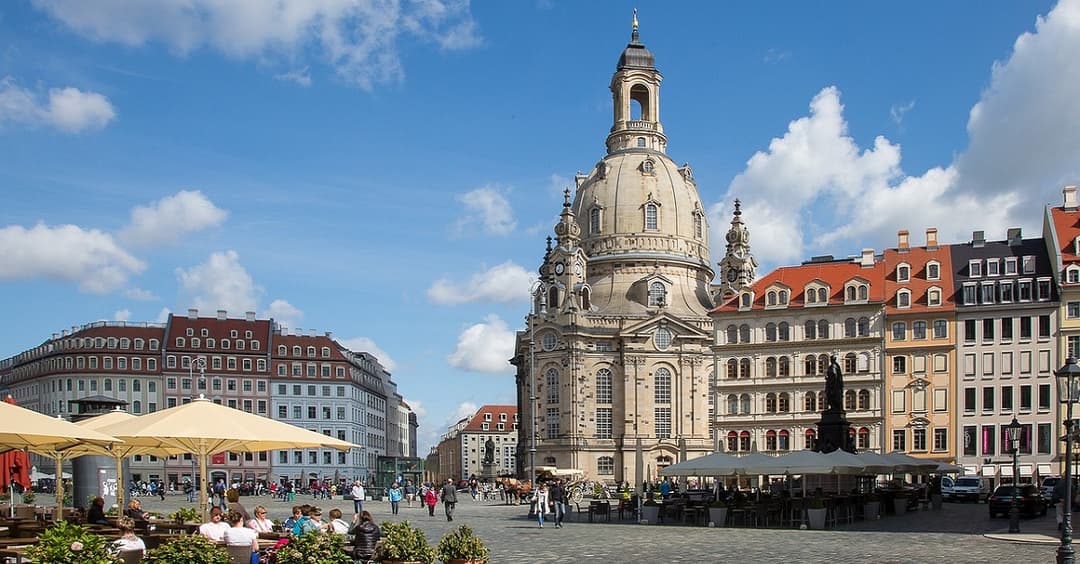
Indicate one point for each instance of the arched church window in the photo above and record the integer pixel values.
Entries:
(698, 230)
(603, 386)
(586, 301)
(651, 213)
(657, 294)
(553, 297)
(641, 142)
(648, 166)
(662, 386)
(594, 220)
(552, 386)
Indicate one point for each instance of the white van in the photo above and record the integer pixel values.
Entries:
(964, 488)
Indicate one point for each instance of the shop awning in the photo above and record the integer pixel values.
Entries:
(970, 470)
(1006, 471)
(989, 470)
(1045, 470)
(1025, 470)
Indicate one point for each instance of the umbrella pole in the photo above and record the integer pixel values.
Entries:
(59, 512)
(202, 477)
(120, 483)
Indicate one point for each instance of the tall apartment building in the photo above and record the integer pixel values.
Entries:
(920, 349)
(1007, 312)
(773, 342)
(246, 363)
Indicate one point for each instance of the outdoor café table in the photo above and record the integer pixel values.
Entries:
(597, 507)
(16, 552)
(695, 514)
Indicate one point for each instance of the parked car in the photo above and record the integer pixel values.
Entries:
(1030, 499)
(1048, 485)
(964, 488)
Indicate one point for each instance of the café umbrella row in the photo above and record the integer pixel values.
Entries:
(200, 428)
(806, 462)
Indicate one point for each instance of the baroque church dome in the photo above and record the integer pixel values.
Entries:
(638, 211)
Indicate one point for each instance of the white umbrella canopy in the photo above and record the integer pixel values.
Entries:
(946, 468)
(845, 463)
(801, 462)
(756, 464)
(203, 427)
(715, 464)
(876, 463)
(48, 436)
(902, 462)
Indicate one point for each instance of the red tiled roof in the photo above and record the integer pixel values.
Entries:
(917, 258)
(218, 329)
(475, 424)
(305, 341)
(834, 274)
(1067, 227)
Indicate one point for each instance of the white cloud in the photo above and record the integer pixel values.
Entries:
(366, 344)
(140, 295)
(300, 76)
(91, 258)
(558, 184)
(163, 315)
(358, 39)
(122, 315)
(488, 208)
(219, 283)
(484, 347)
(68, 109)
(463, 410)
(773, 56)
(814, 191)
(284, 313)
(504, 283)
(898, 111)
(168, 219)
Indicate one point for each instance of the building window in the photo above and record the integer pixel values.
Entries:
(553, 423)
(657, 294)
(903, 273)
(594, 220)
(553, 385)
(605, 466)
(974, 268)
(651, 216)
(933, 271)
(918, 330)
(933, 297)
(918, 439)
(899, 440)
(603, 422)
(662, 385)
(899, 365)
(941, 329)
(899, 331)
(603, 386)
(662, 339)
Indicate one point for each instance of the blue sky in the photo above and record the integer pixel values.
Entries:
(389, 170)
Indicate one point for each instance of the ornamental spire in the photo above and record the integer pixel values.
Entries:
(634, 33)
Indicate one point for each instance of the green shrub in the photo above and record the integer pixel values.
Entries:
(188, 550)
(65, 543)
(185, 515)
(313, 547)
(462, 544)
(402, 541)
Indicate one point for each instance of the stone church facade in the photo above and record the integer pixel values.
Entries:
(615, 358)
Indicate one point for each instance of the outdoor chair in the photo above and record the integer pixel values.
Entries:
(131, 556)
(239, 554)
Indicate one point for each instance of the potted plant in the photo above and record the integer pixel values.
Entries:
(650, 511)
(462, 546)
(65, 543)
(185, 515)
(401, 542)
(900, 501)
(324, 549)
(815, 512)
(194, 549)
(28, 497)
(718, 511)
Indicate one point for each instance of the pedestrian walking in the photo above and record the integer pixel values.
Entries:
(395, 497)
(357, 493)
(449, 498)
(430, 499)
(558, 498)
(541, 499)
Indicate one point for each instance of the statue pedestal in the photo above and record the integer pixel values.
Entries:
(834, 433)
(487, 472)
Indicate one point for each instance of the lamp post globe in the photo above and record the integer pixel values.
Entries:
(1068, 377)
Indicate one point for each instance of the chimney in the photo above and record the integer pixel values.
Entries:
(55, 336)
(931, 239)
(249, 315)
(1013, 235)
(867, 258)
(222, 314)
(64, 332)
(1069, 195)
(902, 243)
(192, 313)
(978, 239)
(329, 334)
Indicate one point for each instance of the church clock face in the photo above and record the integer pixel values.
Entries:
(559, 268)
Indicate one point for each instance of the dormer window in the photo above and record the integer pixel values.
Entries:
(1010, 266)
(903, 273)
(933, 271)
(933, 297)
(1029, 264)
(857, 291)
(903, 298)
(745, 300)
(1072, 275)
(657, 294)
(974, 268)
(993, 267)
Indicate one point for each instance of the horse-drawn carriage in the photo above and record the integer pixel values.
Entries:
(573, 481)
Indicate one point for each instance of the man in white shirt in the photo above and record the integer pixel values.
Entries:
(357, 493)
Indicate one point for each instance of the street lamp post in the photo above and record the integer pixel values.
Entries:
(1012, 430)
(1067, 394)
(201, 362)
(538, 299)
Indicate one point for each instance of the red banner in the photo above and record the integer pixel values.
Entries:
(217, 459)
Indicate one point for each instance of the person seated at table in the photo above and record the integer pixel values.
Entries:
(337, 525)
(365, 536)
(215, 528)
(314, 522)
(134, 510)
(305, 516)
(259, 523)
(96, 514)
(128, 542)
(292, 520)
(239, 535)
(233, 496)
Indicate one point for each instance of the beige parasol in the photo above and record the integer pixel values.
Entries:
(120, 451)
(202, 428)
(49, 436)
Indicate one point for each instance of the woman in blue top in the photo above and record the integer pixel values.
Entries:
(395, 497)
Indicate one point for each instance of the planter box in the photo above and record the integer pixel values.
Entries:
(816, 518)
(935, 501)
(899, 505)
(650, 514)
(872, 510)
(718, 516)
